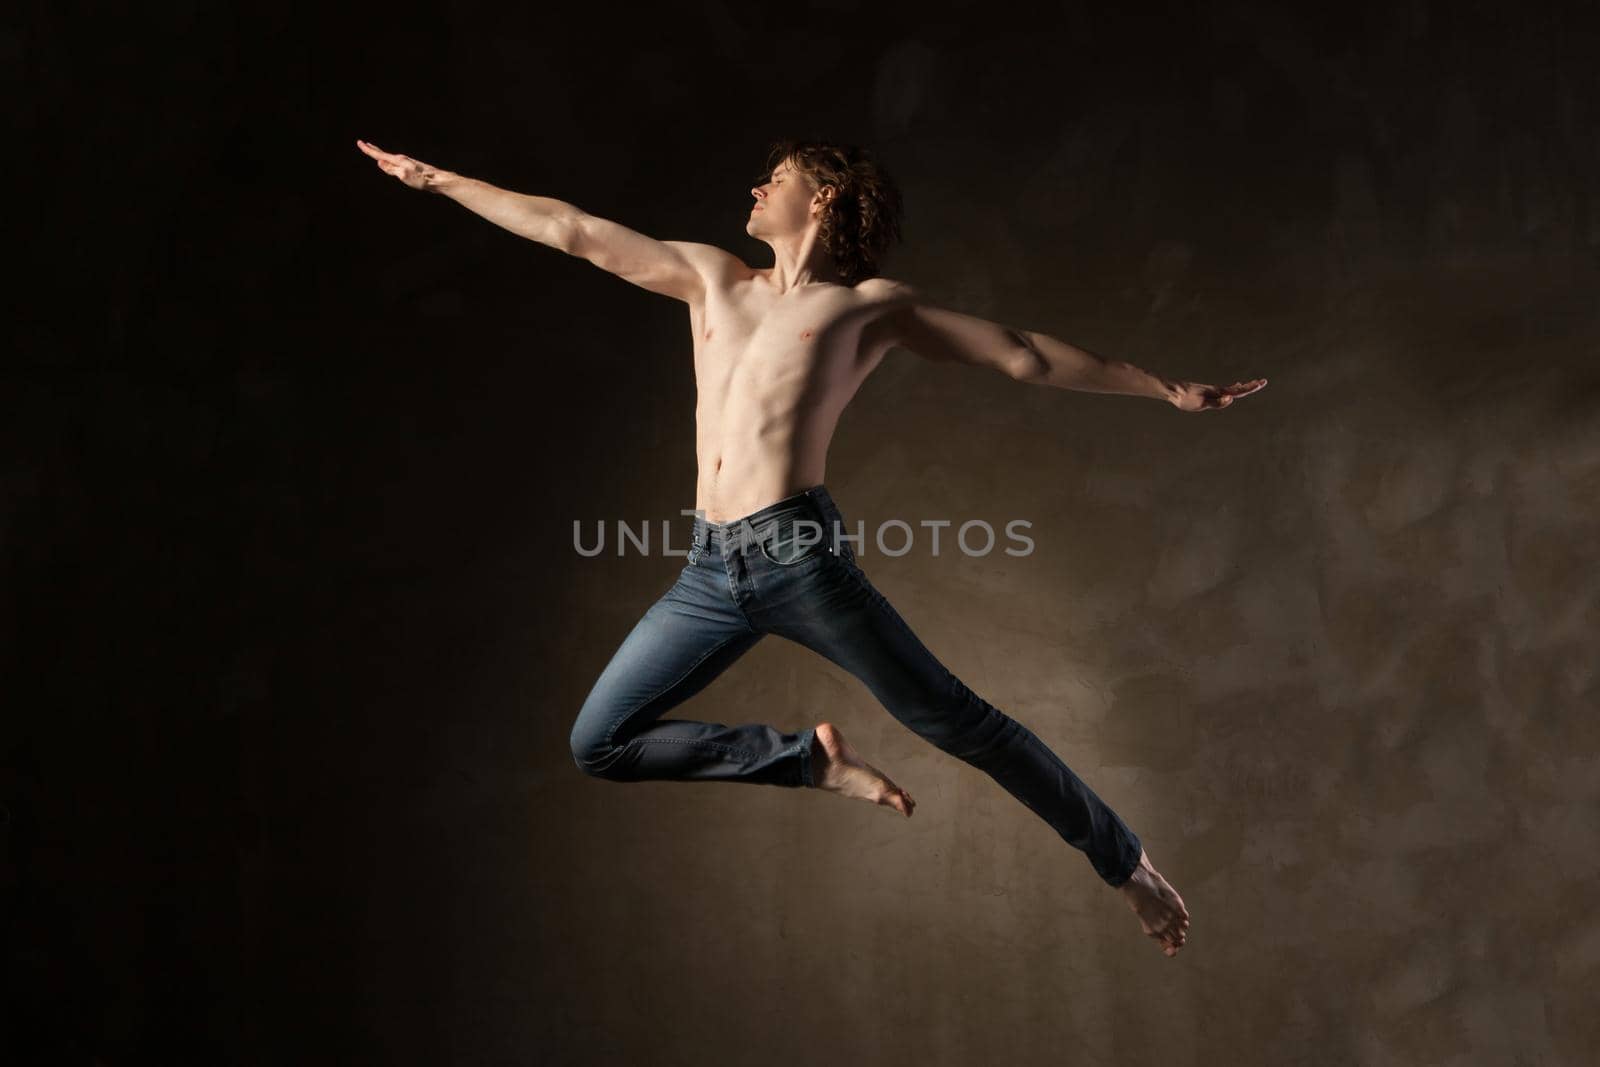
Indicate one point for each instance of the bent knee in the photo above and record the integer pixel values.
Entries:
(593, 755)
(588, 751)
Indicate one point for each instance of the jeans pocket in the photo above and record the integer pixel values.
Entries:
(793, 545)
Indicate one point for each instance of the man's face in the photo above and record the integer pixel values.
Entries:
(783, 203)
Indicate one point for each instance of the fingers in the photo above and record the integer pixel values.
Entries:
(1217, 397)
(380, 155)
(384, 159)
(374, 151)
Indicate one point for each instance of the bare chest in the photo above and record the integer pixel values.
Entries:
(746, 335)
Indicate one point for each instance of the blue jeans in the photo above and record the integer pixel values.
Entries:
(787, 569)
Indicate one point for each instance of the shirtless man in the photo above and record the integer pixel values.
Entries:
(778, 353)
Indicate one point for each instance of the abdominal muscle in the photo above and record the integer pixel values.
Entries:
(772, 374)
(745, 466)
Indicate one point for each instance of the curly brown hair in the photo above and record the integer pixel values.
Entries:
(862, 219)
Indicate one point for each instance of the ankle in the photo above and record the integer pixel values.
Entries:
(819, 760)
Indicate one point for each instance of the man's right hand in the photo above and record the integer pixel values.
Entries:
(413, 172)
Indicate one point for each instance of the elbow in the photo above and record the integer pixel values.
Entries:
(1023, 361)
(568, 235)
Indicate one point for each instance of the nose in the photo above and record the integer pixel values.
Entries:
(756, 192)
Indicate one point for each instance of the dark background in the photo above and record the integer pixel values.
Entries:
(294, 630)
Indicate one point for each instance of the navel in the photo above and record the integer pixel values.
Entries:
(805, 334)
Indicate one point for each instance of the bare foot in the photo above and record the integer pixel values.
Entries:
(836, 767)
(1158, 905)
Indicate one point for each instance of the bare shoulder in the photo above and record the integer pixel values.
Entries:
(713, 264)
(890, 301)
(889, 291)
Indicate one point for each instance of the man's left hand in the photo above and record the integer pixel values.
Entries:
(1194, 396)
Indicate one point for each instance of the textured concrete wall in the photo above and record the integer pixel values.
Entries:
(298, 632)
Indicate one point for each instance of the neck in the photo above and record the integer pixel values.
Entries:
(801, 261)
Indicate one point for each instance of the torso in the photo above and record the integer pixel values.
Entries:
(773, 371)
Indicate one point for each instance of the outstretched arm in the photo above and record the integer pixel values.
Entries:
(673, 268)
(1030, 356)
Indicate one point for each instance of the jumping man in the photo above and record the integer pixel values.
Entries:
(778, 354)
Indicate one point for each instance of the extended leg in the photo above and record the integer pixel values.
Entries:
(863, 633)
(855, 626)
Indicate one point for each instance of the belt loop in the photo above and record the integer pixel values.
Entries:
(694, 538)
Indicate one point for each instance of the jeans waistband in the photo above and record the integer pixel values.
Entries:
(814, 504)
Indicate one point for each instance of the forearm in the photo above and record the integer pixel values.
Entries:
(538, 218)
(1069, 367)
